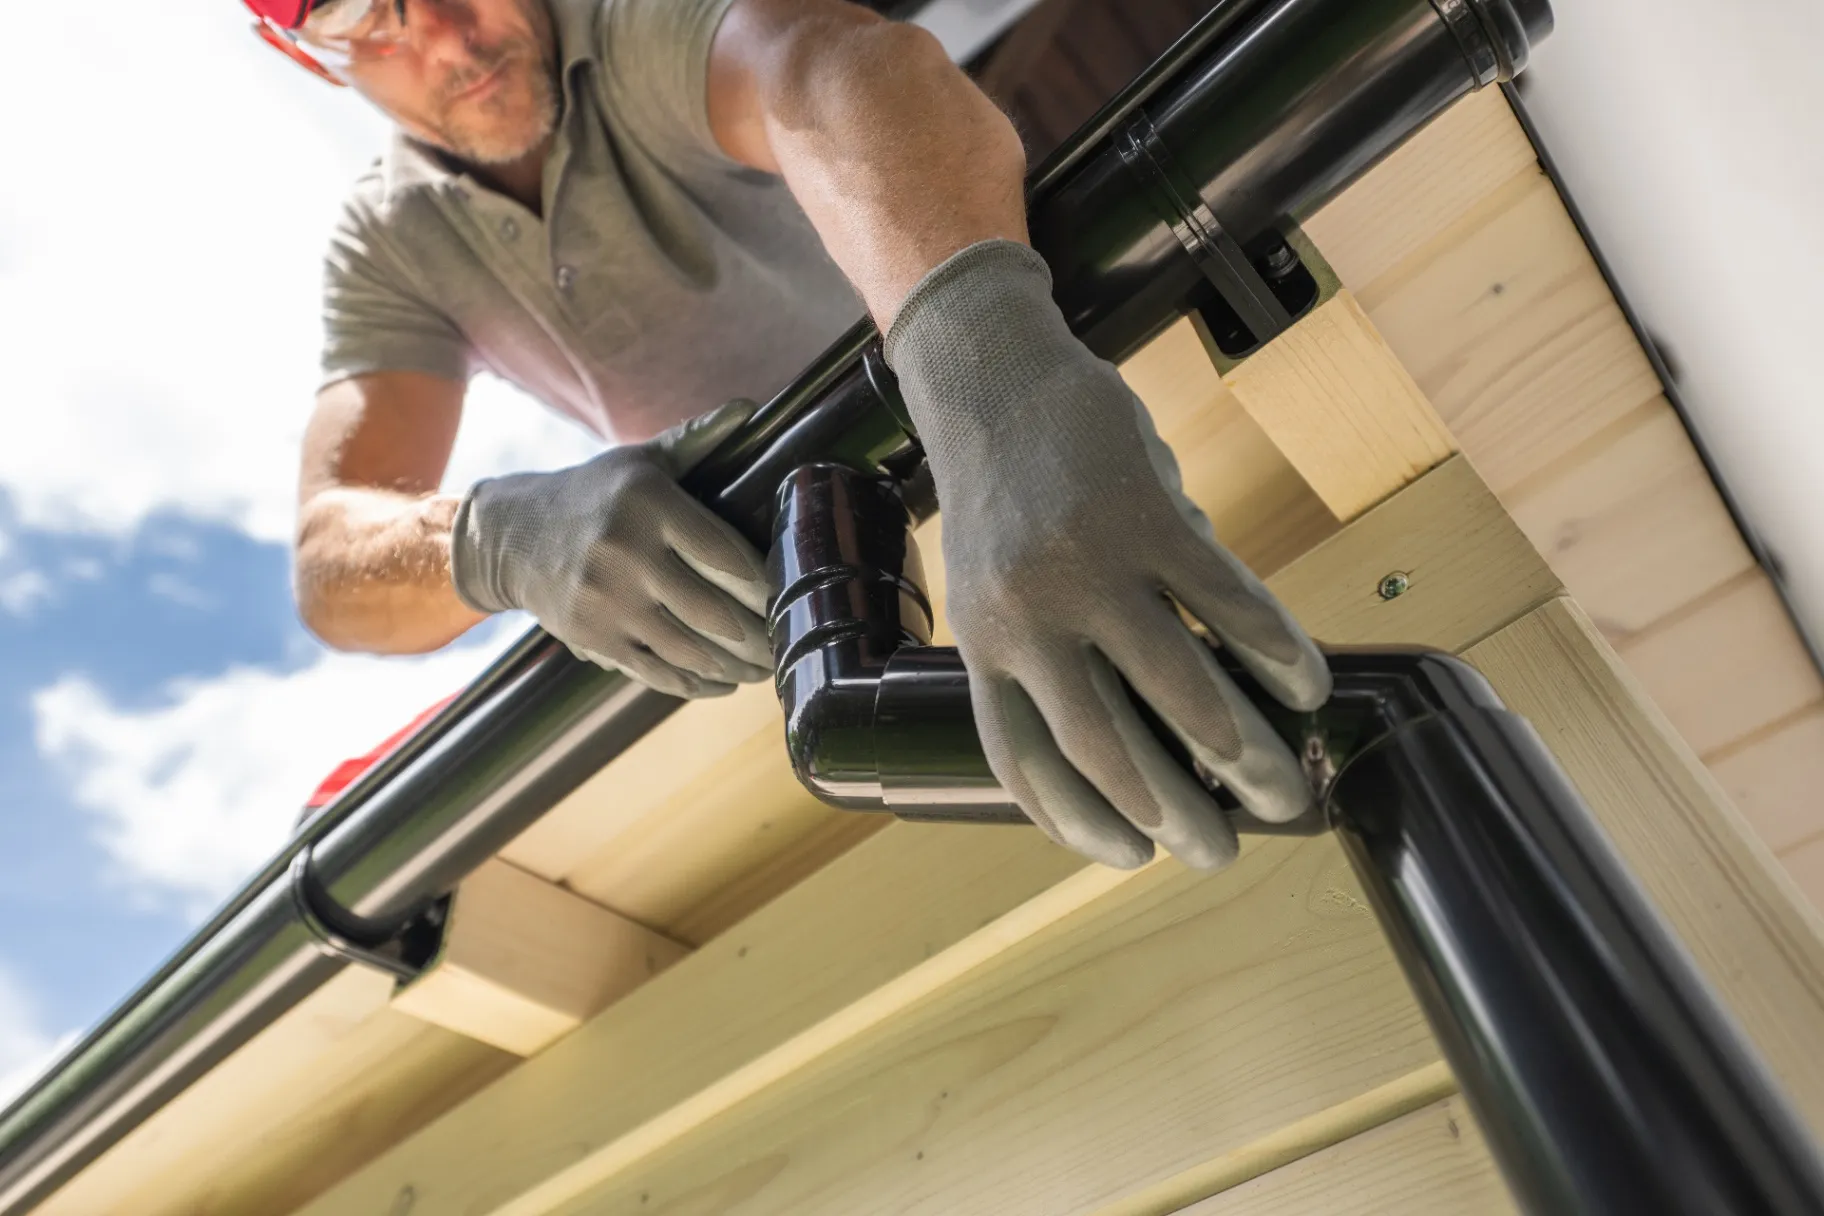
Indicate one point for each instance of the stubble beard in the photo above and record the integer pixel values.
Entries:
(510, 122)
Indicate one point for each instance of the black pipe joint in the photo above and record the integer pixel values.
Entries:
(876, 718)
(847, 594)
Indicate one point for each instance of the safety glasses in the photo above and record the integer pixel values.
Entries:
(338, 37)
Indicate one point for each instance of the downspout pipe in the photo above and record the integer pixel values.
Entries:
(1606, 1076)
(1257, 116)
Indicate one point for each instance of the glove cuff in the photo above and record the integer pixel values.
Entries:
(475, 557)
(976, 335)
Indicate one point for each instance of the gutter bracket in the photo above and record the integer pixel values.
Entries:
(403, 951)
(1217, 254)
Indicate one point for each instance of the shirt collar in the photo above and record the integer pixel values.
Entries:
(408, 165)
(575, 24)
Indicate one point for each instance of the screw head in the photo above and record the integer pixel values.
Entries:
(1395, 585)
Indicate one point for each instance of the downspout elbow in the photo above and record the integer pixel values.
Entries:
(848, 596)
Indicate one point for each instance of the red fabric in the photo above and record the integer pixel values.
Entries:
(286, 14)
(345, 773)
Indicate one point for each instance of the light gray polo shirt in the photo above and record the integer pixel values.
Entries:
(664, 279)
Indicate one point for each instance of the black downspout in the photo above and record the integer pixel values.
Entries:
(1607, 1077)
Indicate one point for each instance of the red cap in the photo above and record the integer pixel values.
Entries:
(286, 14)
(346, 772)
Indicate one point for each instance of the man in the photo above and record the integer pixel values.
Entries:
(636, 208)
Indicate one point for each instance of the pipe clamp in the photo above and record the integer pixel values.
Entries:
(1217, 254)
(403, 951)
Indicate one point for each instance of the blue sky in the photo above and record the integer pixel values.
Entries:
(181, 599)
(161, 711)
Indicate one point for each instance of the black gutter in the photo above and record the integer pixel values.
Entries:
(1606, 1076)
(1265, 123)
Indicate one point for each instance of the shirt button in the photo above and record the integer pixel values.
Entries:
(566, 278)
(509, 229)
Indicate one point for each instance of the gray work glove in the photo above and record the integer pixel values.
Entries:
(621, 565)
(1065, 529)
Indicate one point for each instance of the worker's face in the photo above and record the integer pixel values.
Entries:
(477, 79)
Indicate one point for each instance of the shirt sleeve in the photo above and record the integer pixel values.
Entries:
(655, 60)
(373, 318)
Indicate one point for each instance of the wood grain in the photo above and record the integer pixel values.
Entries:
(1501, 314)
(1804, 862)
(1175, 1017)
(1632, 523)
(648, 775)
(307, 1101)
(1427, 185)
(720, 1024)
(1289, 1143)
(742, 809)
(1432, 1162)
(1726, 666)
(1436, 533)
(1506, 325)
(524, 962)
(1262, 509)
(1337, 402)
(1776, 778)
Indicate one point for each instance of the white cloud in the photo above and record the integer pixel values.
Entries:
(26, 1048)
(180, 591)
(189, 797)
(23, 590)
(159, 296)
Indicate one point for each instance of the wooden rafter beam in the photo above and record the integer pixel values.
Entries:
(524, 962)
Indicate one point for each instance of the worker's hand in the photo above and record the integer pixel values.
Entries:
(621, 565)
(1065, 530)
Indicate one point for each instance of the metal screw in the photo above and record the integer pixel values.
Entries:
(1395, 585)
(1319, 768)
(1279, 262)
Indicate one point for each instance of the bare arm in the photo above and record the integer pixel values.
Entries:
(373, 552)
(894, 154)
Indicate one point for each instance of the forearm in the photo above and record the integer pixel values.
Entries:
(898, 159)
(373, 571)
